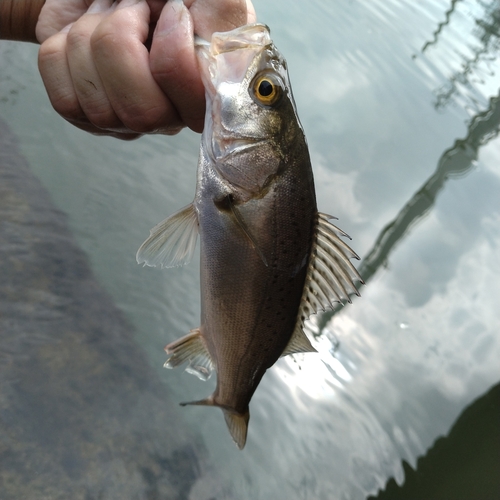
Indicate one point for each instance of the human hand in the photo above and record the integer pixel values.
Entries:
(101, 77)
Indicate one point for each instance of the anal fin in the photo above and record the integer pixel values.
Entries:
(172, 242)
(190, 348)
(298, 343)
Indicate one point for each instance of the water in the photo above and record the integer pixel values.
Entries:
(400, 104)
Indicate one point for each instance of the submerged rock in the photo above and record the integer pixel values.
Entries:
(82, 414)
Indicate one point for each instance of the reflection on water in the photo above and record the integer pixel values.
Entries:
(441, 25)
(455, 162)
(463, 464)
(481, 58)
(383, 91)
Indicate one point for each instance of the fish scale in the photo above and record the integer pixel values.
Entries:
(269, 260)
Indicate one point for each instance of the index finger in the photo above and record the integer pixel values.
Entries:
(174, 65)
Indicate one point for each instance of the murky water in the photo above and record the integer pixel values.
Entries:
(400, 103)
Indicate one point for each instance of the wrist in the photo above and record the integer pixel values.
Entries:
(18, 19)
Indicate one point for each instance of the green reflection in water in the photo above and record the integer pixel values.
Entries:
(462, 465)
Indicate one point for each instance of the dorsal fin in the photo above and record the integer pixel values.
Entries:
(172, 242)
(330, 278)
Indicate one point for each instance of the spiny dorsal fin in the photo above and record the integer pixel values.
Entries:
(330, 278)
(172, 242)
(191, 348)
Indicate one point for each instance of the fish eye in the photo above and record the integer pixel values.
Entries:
(267, 89)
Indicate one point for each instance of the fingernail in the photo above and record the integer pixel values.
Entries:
(123, 4)
(67, 28)
(99, 6)
(170, 18)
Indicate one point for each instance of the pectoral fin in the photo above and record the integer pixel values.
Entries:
(240, 222)
(171, 242)
(191, 348)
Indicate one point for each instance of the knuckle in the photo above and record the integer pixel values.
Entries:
(103, 41)
(60, 91)
(103, 117)
(164, 70)
(67, 106)
(110, 33)
(50, 51)
(146, 119)
(78, 36)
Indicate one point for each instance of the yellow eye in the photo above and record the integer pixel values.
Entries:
(267, 90)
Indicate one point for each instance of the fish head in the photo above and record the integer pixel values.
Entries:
(251, 121)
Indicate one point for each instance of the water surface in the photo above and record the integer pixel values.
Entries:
(400, 104)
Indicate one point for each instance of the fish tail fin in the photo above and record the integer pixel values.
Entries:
(237, 423)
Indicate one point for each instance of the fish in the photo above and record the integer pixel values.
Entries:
(268, 259)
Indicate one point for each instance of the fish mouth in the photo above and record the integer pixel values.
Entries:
(249, 35)
(246, 40)
(224, 63)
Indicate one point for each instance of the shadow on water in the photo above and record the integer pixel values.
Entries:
(82, 414)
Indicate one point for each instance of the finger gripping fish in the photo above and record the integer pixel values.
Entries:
(268, 258)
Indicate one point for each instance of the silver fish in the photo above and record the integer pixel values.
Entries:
(269, 260)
